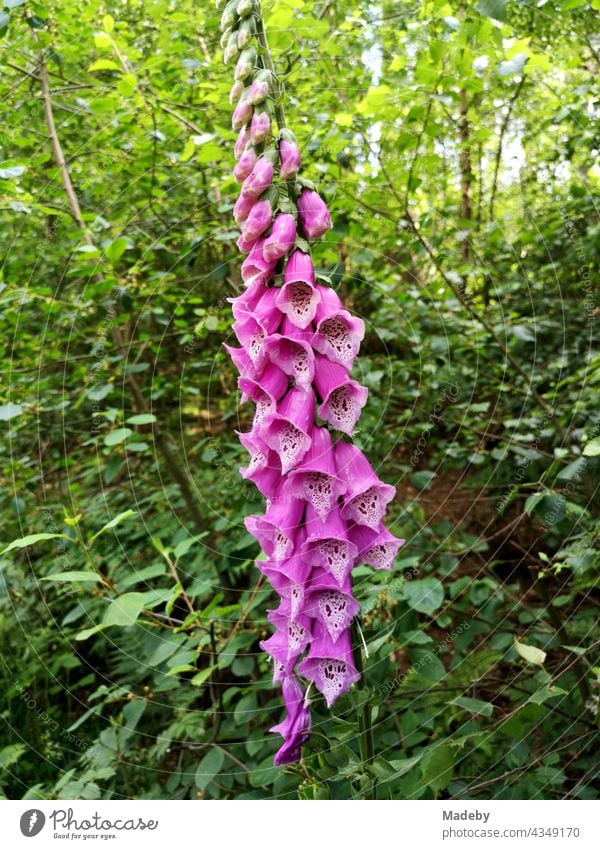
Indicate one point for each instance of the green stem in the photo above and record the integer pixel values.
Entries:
(268, 61)
(365, 728)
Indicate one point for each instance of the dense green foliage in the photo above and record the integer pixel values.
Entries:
(455, 145)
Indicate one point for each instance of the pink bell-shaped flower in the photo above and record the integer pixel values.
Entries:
(289, 430)
(315, 480)
(343, 398)
(366, 498)
(378, 548)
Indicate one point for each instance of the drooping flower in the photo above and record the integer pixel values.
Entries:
(246, 163)
(290, 159)
(241, 114)
(260, 126)
(299, 297)
(259, 179)
(329, 664)
(295, 728)
(324, 502)
(313, 212)
(259, 89)
(338, 334)
(342, 397)
(255, 268)
(282, 237)
(315, 480)
(288, 431)
(293, 353)
(259, 218)
(366, 498)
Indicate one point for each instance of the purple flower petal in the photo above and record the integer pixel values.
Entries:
(315, 479)
(247, 301)
(264, 468)
(277, 530)
(295, 728)
(328, 546)
(260, 126)
(292, 353)
(256, 270)
(259, 218)
(378, 548)
(299, 267)
(290, 159)
(265, 390)
(260, 178)
(338, 335)
(333, 608)
(241, 142)
(343, 398)
(246, 163)
(288, 431)
(313, 214)
(288, 579)
(282, 237)
(367, 497)
(329, 665)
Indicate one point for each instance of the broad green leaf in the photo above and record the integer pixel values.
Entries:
(493, 9)
(424, 595)
(102, 41)
(203, 676)
(141, 419)
(530, 653)
(592, 448)
(117, 436)
(210, 765)
(9, 411)
(32, 539)
(474, 705)
(437, 767)
(104, 65)
(116, 249)
(72, 577)
(124, 610)
(114, 522)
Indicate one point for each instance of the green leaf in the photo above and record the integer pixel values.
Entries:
(493, 9)
(404, 765)
(117, 436)
(115, 250)
(72, 577)
(530, 653)
(574, 470)
(203, 676)
(32, 539)
(548, 691)
(592, 448)
(124, 610)
(104, 65)
(114, 522)
(141, 419)
(422, 480)
(437, 767)
(102, 41)
(475, 706)
(210, 765)
(89, 632)
(9, 411)
(424, 595)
